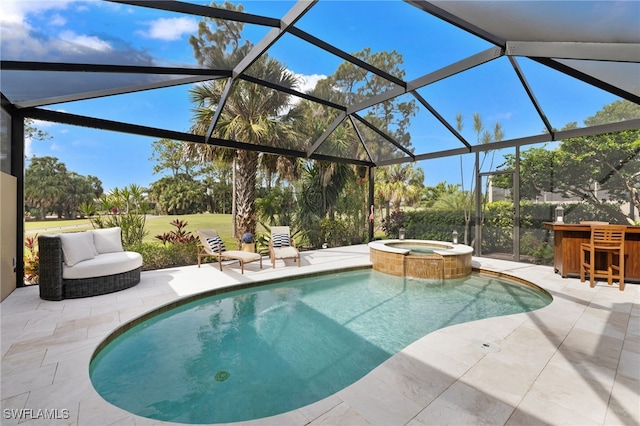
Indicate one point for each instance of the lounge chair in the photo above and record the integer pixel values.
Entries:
(282, 246)
(212, 246)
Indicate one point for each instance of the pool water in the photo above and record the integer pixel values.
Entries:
(256, 353)
(416, 248)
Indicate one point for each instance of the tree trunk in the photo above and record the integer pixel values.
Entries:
(234, 196)
(247, 165)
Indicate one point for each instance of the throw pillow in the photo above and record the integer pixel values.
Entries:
(280, 240)
(77, 246)
(216, 244)
(107, 240)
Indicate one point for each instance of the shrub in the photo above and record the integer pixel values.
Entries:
(391, 224)
(540, 251)
(179, 248)
(434, 224)
(132, 225)
(178, 235)
(335, 232)
(159, 256)
(31, 260)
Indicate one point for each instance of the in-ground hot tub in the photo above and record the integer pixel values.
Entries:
(421, 258)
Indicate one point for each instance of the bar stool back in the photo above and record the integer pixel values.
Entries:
(610, 240)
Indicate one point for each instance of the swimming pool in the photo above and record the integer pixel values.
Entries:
(262, 351)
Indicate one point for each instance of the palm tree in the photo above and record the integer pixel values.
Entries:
(399, 183)
(44, 183)
(250, 115)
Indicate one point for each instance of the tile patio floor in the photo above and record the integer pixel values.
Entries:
(574, 362)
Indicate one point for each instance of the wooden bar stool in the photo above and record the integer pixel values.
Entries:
(610, 240)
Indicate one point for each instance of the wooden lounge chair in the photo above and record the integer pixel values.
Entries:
(282, 246)
(211, 246)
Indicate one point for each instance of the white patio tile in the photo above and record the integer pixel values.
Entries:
(317, 409)
(572, 362)
(341, 415)
(624, 406)
(461, 404)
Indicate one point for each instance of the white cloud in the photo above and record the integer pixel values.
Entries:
(21, 40)
(15, 11)
(28, 152)
(504, 115)
(91, 42)
(57, 20)
(305, 83)
(308, 82)
(39, 124)
(170, 29)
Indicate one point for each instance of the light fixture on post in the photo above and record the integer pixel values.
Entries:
(401, 233)
(454, 236)
(559, 214)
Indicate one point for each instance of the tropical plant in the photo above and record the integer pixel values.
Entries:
(353, 207)
(398, 184)
(44, 183)
(483, 137)
(77, 190)
(392, 223)
(276, 206)
(159, 256)
(177, 195)
(125, 208)
(178, 235)
(431, 194)
(31, 260)
(88, 209)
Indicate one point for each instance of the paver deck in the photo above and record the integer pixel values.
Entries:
(574, 362)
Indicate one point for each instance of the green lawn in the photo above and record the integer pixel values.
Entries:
(155, 225)
(54, 225)
(220, 222)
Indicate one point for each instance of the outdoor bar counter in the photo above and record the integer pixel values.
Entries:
(567, 238)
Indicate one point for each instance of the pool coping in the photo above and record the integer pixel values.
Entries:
(456, 249)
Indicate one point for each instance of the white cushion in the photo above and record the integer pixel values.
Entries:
(285, 252)
(103, 264)
(77, 246)
(107, 240)
(246, 256)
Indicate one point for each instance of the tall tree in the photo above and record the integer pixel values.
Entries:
(252, 113)
(588, 166)
(77, 190)
(356, 84)
(44, 183)
(168, 155)
(178, 194)
(31, 132)
(398, 184)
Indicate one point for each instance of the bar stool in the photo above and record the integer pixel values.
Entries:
(608, 239)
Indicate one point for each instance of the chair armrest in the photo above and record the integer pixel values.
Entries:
(50, 267)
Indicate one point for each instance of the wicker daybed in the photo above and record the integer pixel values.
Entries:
(105, 270)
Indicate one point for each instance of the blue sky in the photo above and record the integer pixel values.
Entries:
(74, 31)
